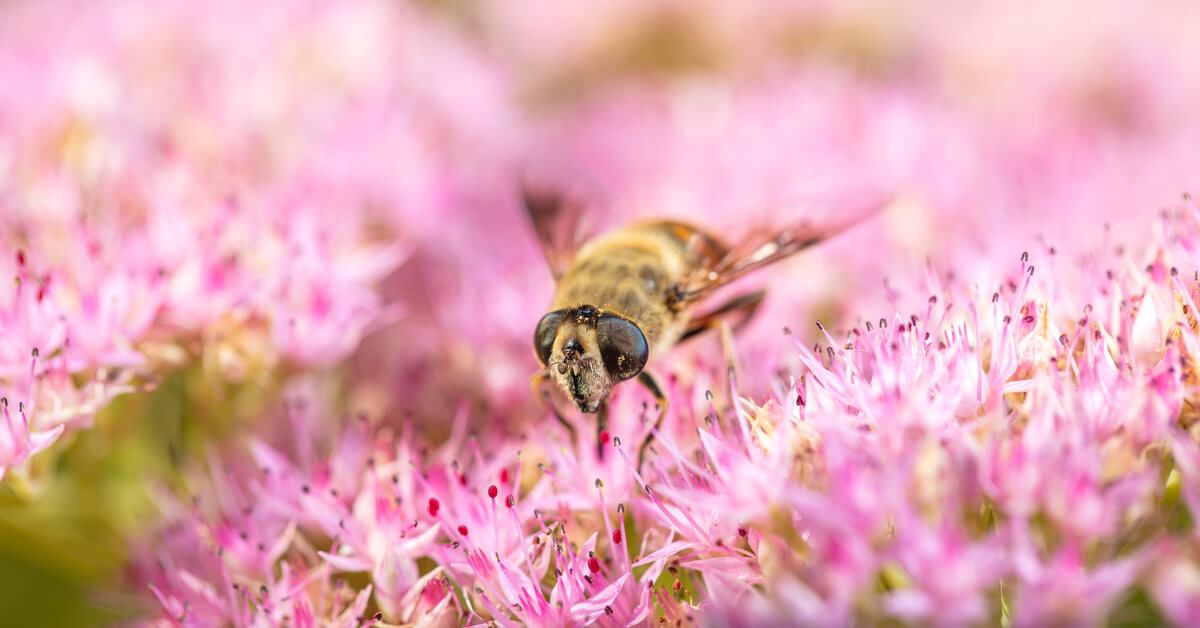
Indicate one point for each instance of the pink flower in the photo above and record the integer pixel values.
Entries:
(1063, 591)
(953, 576)
(323, 302)
(17, 441)
(1175, 584)
(30, 320)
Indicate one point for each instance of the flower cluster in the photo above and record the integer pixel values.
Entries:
(1020, 449)
(152, 216)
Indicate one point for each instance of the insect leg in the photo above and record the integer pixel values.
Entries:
(660, 405)
(744, 305)
(543, 398)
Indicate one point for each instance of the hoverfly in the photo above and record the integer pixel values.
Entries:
(633, 293)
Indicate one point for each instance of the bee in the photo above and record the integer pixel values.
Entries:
(632, 294)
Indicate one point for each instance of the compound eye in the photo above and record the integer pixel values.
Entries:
(622, 346)
(543, 337)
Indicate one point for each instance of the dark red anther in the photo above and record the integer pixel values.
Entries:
(462, 479)
(593, 565)
(433, 506)
(493, 491)
(742, 532)
(616, 536)
(509, 501)
(604, 437)
(20, 258)
(504, 476)
(463, 530)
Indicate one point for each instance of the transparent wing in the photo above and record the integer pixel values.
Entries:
(557, 223)
(766, 247)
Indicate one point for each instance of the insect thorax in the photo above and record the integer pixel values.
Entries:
(632, 271)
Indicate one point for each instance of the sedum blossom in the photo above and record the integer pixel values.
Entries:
(996, 457)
